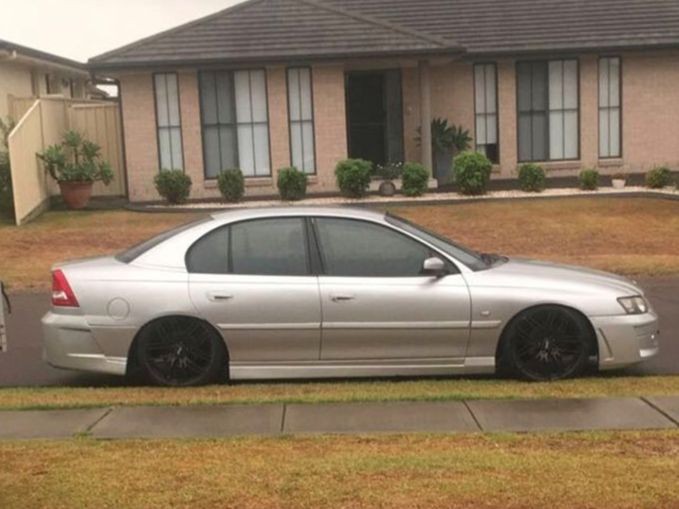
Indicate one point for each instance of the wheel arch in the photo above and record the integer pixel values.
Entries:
(132, 365)
(503, 335)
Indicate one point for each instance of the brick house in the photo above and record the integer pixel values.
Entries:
(270, 83)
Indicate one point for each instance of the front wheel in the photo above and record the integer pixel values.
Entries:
(180, 351)
(548, 343)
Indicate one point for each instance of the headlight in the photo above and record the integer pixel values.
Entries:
(634, 305)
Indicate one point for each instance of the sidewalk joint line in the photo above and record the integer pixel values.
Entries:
(285, 408)
(478, 424)
(101, 418)
(660, 410)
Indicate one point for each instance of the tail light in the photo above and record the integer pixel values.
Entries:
(62, 294)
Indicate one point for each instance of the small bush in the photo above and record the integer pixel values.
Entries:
(532, 178)
(353, 177)
(173, 185)
(6, 193)
(589, 179)
(415, 179)
(389, 171)
(231, 184)
(292, 184)
(472, 172)
(659, 177)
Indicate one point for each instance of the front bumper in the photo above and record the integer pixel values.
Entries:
(626, 339)
(70, 344)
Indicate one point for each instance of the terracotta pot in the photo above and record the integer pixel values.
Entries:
(387, 188)
(76, 194)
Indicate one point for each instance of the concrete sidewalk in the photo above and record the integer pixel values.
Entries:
(285, 419)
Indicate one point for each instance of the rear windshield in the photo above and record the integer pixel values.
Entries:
(136, 251)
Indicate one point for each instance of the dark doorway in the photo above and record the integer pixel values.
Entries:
(375, 116)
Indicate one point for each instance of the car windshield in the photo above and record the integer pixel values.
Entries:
(137, 250)
(472, 259)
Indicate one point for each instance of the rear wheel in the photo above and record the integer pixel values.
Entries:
(548, 343)
(180, 351)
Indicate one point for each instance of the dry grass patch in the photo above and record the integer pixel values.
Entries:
(336, 392)
(634, 236)
(594, 470)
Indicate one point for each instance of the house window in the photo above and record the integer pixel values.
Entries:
(609, 108)
(301, 113)
(548, 110)
(485, 105)
(168, 121)
(235, 122)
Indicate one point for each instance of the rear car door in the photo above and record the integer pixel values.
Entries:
(253, 281)
(376, 302)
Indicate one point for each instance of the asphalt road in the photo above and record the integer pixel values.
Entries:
(22, 365)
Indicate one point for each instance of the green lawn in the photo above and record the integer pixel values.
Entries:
(560, 471)
(446, 389)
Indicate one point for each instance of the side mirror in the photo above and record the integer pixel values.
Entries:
(434, 266)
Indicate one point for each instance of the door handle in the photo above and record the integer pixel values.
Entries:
(341, 298)
(219, 297)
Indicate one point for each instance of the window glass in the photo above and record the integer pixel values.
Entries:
(301, 119)
(547, 95)
(269, 247)
(210, 254)
(609, 108)
(168, 121)
(485, 87)
(235, 122)
(362, 249)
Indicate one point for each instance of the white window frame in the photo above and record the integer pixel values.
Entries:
(301, 123)
(168, 120)
(610, 106)
(486, 114)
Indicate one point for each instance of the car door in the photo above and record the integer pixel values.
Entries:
(377, 304)
(253, 280)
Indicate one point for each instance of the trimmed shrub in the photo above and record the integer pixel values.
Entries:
(291, 184)
(173, 185)
(532, 178)
(231, 184)
(589, 179)
(415, 178)
(659, 177)
(472, 172)
(353, 177)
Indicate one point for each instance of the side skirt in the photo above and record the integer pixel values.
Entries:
(362, 369)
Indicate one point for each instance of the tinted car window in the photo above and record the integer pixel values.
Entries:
(362, 249)
(210, 254)
(269, 247)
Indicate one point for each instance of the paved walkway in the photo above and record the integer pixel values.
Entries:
(285, 419)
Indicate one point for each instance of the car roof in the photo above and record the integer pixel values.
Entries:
(348, 212)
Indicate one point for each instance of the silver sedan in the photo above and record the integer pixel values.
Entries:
(320, 292)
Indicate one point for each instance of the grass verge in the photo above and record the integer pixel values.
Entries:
(587, 470)
(447, 389)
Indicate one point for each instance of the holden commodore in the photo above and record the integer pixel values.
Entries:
(334, 292)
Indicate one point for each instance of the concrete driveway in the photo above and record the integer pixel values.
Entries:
(23, 365)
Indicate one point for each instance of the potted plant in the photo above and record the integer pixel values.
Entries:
(619, 180)
(76, 164)
(446, 142)
(388, 173)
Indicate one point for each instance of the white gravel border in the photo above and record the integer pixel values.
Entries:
(431, 197)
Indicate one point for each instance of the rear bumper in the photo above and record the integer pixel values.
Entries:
(626, 339)
(69, 344)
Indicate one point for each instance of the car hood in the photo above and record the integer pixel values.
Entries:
(555, 275)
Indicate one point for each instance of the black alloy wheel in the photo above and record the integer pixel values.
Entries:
(180, 351)
(548, 343)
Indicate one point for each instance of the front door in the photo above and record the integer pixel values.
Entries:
(376, 303)
(253, 281)
(375, 116)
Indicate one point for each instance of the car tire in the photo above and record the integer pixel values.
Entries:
(180, 351)
(547, 343)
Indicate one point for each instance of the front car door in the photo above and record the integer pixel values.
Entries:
(253, 280)
(377, 304)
